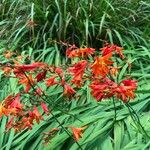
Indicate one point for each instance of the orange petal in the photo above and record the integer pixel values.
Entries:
(77, 132)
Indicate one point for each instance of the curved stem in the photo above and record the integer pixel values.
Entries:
(135, 117)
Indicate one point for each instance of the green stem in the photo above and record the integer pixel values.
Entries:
(135, 117)
(114, 110)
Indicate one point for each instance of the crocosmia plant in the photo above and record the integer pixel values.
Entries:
(98, 69)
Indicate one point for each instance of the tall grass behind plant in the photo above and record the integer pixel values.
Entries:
(37, 23)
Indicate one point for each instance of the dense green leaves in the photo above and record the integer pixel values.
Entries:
(35, 29)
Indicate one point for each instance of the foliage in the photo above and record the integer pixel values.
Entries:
(99, 120)
(41, 29)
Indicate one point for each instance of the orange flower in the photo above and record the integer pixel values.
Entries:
(27, 82)
(51, 81)
(12, 105)
(114, 71)
(23, 123)
(101, 65)
(6, 70)
(27, 122)
(70, 52)
(51, 132)
(19, 58)
(6, 111)
(7, 101)
(73, 51)
(77, 132)
(8, 54)
(84, 52)
(3, 110)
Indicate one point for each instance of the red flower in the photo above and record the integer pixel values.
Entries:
(97, 90)
(78, 71)
(19, 69)
(44, 107)
(119, 51)
(102, 88)
(40, 76)
(30, 67)
(131, 84)
(9, 124)
(110, 48)
(38, 92)
(15, 103)
(106, 50)
(62, 81)
(125, 90)
(35, 115)
(59, 71)
(68, 90)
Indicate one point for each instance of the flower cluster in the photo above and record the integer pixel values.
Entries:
(96, 67)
